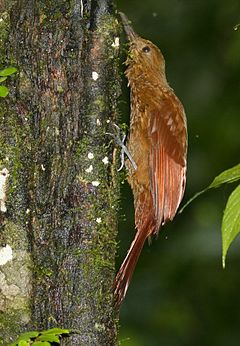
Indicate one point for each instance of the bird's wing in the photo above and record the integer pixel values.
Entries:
(167, 157)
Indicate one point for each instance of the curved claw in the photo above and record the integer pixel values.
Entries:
(124, 149)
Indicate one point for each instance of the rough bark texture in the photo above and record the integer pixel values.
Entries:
(62, 194)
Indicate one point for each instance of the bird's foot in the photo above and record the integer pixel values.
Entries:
(120, 140)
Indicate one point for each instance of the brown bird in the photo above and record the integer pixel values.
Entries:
(157, 143)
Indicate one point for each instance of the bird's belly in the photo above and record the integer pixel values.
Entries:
(138, 146)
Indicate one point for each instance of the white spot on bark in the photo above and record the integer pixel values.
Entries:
(95, 75)
(95, 183)
(6, 254)
(116, 43)
(105, 160)
(4, 174)
(99, 220)
(90, 156)
(100, 327)
(89, 169)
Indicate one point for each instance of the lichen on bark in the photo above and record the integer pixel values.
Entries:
(15, 283)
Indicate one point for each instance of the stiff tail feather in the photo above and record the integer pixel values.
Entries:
(126, 270)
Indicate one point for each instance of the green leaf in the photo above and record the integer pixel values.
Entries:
(56, 331)
(2, 79)
(23, 343)
(226, 177)
(27, 336)
(230, 222)
(229, 176)
(8, 71)
(49, 337)
(41, 343)
(3, 91)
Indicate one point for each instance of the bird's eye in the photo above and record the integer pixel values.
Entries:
(146, 49)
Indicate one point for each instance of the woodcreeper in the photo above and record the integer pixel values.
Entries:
(157, 142)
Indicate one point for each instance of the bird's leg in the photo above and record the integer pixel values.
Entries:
(124, 150)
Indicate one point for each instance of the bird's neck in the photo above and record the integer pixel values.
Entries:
(137, 75)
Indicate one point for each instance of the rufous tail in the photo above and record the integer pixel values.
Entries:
(126, 270)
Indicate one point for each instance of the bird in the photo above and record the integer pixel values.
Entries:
(157, 142)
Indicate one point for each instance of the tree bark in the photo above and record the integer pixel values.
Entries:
(62, 192)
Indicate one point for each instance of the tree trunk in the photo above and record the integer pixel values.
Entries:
(58, 233)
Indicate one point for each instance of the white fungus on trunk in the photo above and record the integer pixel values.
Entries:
(4, 174)
(6, 254)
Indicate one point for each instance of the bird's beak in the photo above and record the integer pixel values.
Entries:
(127, 27)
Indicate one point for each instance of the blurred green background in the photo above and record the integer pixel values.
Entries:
(180, 295)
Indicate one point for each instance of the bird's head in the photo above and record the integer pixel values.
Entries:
(142, 52)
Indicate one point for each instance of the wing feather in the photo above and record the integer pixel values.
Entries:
(168, 138)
